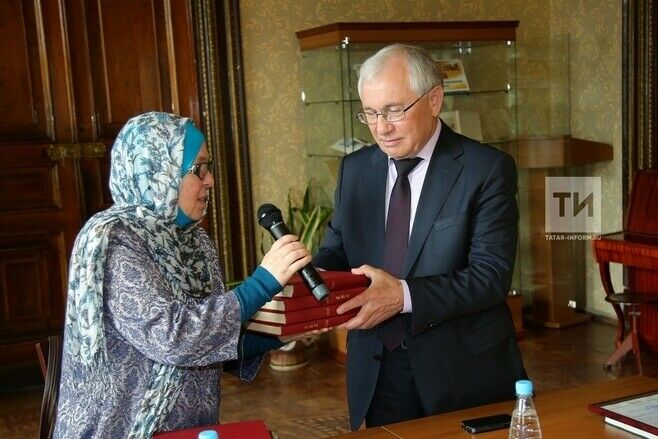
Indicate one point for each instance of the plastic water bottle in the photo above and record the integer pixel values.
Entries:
(525, 423)
(208, 434)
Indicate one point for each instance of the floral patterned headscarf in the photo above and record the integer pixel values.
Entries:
(144, 183)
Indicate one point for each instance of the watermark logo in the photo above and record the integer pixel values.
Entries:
(573, 208)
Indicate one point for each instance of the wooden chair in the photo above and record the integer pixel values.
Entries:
(50, 369)
(631, 303)
(636, 247)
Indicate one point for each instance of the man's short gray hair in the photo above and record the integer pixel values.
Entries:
(423, 72)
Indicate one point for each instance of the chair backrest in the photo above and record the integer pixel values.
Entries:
(51, 388)
(43, 359)
(642, 213)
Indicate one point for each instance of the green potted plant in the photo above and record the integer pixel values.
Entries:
(308, 221)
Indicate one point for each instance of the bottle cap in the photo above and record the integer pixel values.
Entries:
(208, 434)
(524, 387)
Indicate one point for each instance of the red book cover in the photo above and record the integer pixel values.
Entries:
(636, 414)
(296, 328)
(289, 317)
(234, 430)
(335, 280)
(286, 304)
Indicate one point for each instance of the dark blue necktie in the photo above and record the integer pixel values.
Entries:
(396, 241)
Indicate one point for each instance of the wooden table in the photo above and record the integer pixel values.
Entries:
(562, 414)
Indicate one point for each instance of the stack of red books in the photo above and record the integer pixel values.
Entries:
(296, 310)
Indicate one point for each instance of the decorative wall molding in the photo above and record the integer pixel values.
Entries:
(217, 35)
(640, 103)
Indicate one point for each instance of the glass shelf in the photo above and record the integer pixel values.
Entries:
(476, 92)
(307, 101)
(331, 73)
(331, 102)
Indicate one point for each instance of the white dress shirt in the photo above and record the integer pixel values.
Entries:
(416, 180)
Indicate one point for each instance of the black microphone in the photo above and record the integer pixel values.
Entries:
(270, 218)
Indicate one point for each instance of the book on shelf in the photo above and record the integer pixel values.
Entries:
(637, 414)
(348, 146)
(454, 76)
(297, 328)
(285, 304)
(464, 122)
(335, 280)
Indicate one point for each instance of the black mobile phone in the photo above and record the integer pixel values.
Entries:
(487, 423)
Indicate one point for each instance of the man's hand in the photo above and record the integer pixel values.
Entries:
(382, 300)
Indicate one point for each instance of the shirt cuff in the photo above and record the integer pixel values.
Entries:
(406, 307)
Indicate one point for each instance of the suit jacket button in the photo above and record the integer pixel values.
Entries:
(377, 357)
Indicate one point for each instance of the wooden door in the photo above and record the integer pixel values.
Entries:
(130, 56)
(72, 73)
(39, 208)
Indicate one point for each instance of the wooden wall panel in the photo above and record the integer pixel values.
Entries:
(23, 87)
(30, 266)
(184, 77)
(128, 63)
(123, 52)
(30, 188)
(39, 203)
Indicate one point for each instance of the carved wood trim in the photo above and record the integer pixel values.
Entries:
(240, 144)
(639, 69)
(81, 150)
(222, 113)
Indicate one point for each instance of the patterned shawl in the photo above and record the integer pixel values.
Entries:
(144, 182)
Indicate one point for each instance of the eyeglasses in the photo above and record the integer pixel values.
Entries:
(201, 169)
(389, 115)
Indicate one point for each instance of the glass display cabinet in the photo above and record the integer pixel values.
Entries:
(478, 58)
(552, 271)
(510, 96)
(479, 64)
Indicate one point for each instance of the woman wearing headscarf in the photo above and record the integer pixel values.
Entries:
(148, 320)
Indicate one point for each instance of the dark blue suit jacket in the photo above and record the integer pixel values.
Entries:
(459, 268)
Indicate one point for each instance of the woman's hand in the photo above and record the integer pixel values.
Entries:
(294, 337)
(285, 258)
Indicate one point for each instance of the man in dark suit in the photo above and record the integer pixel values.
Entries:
(430, 217)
